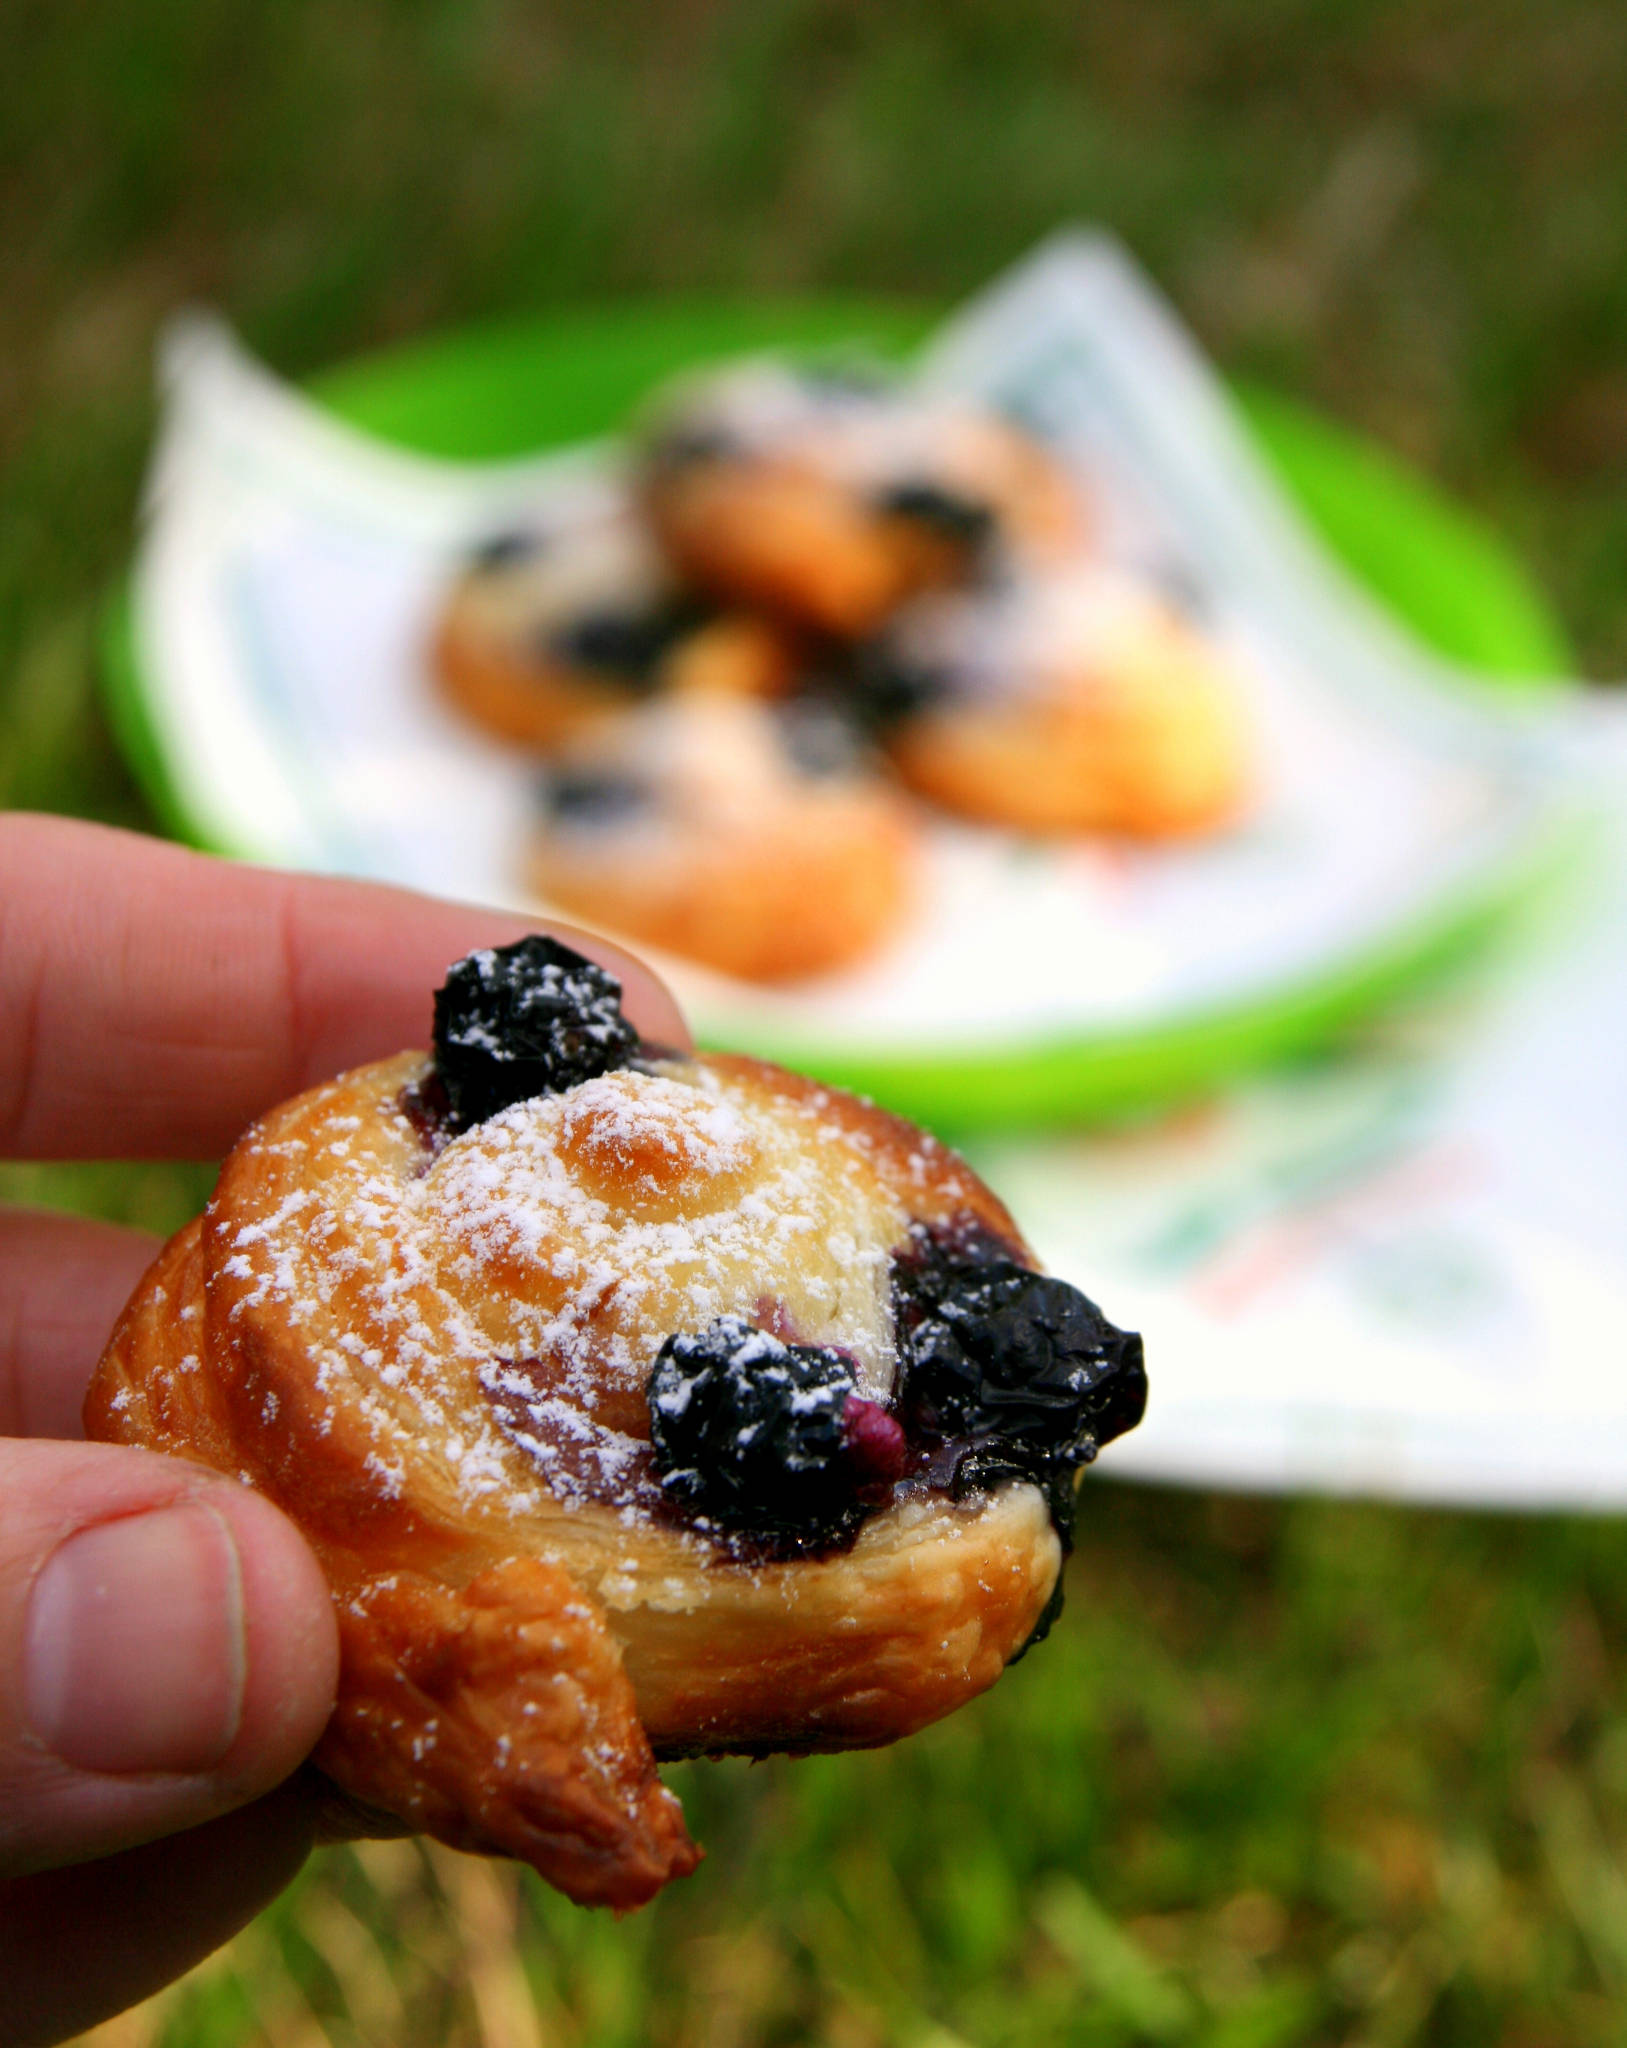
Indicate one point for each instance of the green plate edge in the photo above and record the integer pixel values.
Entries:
(1118, 1076)
(493, 393)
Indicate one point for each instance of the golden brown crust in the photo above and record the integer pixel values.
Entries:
(786, 542)
(525, 1739)
(150, 1387)
(520, 693)
(495, 1714)
(1124, 719)
(516, 697)
(925, 1611)
(1153, 764)
(552, 631)
(803, 510)
(796, 543)
(795, 897)
(734, 856)
(428, 1360)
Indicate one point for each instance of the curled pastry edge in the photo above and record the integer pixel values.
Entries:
(494, 1714)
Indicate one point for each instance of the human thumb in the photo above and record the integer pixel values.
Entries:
(167, 1649)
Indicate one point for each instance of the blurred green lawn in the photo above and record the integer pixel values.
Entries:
(1286, 1773)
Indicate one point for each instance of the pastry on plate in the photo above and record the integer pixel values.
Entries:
(828, 498)
(1075, 701)
(637, 1405)
(548, 631)
(756, 839)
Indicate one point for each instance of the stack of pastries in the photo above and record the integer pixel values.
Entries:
(824, 603)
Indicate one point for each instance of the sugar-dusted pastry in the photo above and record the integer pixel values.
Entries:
(755, 839)
(1080, 700)
(547, 631)
(828, 498)
(636, 1405)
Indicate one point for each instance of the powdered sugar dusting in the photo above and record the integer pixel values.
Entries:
(622, 1118)
(605, 1218)
(500, 1310)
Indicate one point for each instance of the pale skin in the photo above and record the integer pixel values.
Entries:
(167, 1646)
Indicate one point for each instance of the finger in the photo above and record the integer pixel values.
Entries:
(168, 1650)
(78, 1945)
(63, 1281)
(154, 1001)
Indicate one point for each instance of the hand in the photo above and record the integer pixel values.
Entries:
(167, 1645)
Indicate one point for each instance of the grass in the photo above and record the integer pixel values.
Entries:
(1287, 1772)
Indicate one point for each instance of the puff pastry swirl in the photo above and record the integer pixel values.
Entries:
(429, 1336)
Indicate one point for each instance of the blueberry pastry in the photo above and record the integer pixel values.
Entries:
(1075, 701)
(637, 1406)
(548, 632)
(754, 839)
(829, 498)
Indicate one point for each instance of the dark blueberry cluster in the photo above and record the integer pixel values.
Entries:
(1004, 1373)
(592, 795)
(886, 686)
(522, 1020)
(503, 550)
(1019, 1367)
(752, 1434)
(624, 641)
(950, 515)
(867, 689)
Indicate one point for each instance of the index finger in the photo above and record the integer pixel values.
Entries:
(154, 1001)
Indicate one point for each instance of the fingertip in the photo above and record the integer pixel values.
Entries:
(170, 1649)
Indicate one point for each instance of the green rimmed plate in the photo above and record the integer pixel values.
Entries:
(484, 398)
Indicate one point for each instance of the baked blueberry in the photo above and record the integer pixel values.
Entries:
(1021, 1368)
(1017, 1373)
(522, 1020)
(750, 1433)
(966, 521)
(885, 685)
(588, 795)
(627, 642)
(503, 550)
